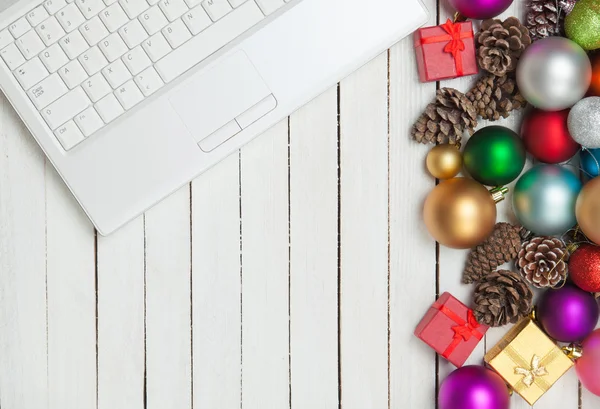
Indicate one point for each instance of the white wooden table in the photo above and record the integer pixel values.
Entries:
(292, 275)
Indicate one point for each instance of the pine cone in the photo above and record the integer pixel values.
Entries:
(543, 261)
(495, 97)
(446, 119)
(545, 18)
(500, 45)
(502, 246)
(502, 297)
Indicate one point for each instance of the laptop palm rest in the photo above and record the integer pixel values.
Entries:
(223, 101)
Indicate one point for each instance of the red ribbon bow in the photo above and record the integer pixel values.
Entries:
(455, 45)
(463, 331)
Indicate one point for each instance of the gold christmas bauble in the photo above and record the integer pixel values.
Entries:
(460, 213)
(588, 210)
(444, 161)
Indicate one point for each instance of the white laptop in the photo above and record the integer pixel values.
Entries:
(132, 99)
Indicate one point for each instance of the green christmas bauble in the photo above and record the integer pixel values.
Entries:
(583, 24)
(494, 156)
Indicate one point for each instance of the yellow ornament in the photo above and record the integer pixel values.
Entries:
(588, 210)
(444, 161)
(460, 213)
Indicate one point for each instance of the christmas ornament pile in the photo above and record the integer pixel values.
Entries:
(542, 63)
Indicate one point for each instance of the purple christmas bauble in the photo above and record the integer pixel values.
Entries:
(480, 9)
(473, 387)
(568, 314)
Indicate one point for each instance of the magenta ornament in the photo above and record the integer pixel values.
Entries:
(480, 9)
(568, 314)
(588, 366)
(473, 387)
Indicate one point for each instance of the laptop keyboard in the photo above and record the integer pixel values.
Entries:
(83, 63)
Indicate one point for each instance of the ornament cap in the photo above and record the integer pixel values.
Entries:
(499, 193)
(573, 351)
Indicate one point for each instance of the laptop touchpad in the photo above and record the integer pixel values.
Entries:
(213, 101)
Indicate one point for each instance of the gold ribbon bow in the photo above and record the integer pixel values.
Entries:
(530, 374)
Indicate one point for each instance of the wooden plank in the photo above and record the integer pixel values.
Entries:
(168, 314)
(313, 258)
(413, 268)
(216, 287)
(364, 237)
(120, 295)
(71, 270)
(23, 357)
(265, 271)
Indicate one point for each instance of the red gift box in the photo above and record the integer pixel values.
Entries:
(446, 51)
(451, 329)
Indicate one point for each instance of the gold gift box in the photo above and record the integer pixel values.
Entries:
(528, 360)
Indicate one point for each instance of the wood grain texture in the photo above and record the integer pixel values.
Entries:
(216, 287)
(313, 257)
(121, 347)
(168, 314)
(71, 292)
(364, 237)
(265, 271)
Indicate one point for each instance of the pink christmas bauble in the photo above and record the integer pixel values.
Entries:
(588, 366)
(480, 9)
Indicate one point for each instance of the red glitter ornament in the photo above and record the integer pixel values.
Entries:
(546, 136)
(584, 268)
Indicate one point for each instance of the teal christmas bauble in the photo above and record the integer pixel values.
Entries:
(544, 199)
(494, 156)
(590, 162)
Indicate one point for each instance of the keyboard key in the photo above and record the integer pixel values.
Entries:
(133, 33)
(196, 20)
(134, 8)
(37, 15)
(269, 6)
(89, 121)
(216, 9)
(90, 8)
(192, 3)
(73, 44)
(172, 9)
(236, 3)
(52, 6)
(5, 38)
(156, 47)
(12, 56)
(153, 20)
(65, 108)
(50, 31)
(129, 95)
(47, 91)
(73, 74)
(93, 60)
(113, 17)
(30, 44)
(176, 33)
(116, 74)
(96, 87)
(93, 31)
(109, 2)
(30, 73)
(54, 58)
(70, 17)
(19, 27)
(109, 108)
(136, 60)
(113, 47)
(209, 41)
(68, 135)
(148, 81)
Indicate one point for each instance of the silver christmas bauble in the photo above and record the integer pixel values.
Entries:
(554, 73)
(584, 122)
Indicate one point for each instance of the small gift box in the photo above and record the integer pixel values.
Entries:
(451, 329)
(446, 51)
(528, 360)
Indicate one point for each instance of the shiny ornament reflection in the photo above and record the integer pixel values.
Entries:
(554, 73)
(544, 199)
(588, 210)
(473, 387)
(444, 161)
